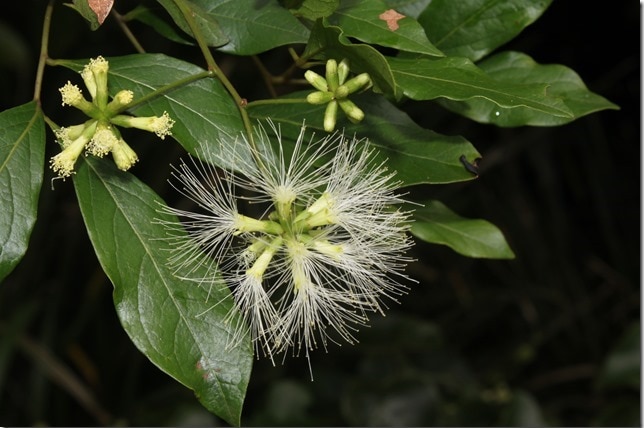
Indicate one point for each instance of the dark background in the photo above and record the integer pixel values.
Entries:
(476, 342)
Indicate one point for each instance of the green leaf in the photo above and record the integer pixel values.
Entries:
(474, 28)
(250, 26)
(311, 9)
(438, 224)
(178, 325)
(203, 111)
(328, 41)
(459, 79)
(417, 154)
(362, 20)
(143, 14)
(516, 68)
(22, 158)
(208, 25)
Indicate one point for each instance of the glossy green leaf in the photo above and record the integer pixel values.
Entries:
(328, 41)
(363, 20)
(208, 24)
(22, 157)
(203, 111)
(242, 21)
(438, 224)
(459, 79)
(517, 68)
(417, 154)
(178, 325)
(311, 9)
(474, 28)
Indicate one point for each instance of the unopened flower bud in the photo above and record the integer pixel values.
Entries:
(316, 80)
(319, 97)
(332, 78)
(124, 156)
(352, 111)
(361, 81)
(343, 70)
(330, 116)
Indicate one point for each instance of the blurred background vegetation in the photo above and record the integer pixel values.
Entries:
(550, 338)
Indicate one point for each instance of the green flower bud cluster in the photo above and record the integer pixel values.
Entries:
(99, 135)
(334, 89)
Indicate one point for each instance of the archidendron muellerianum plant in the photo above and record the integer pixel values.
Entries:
(297, 233)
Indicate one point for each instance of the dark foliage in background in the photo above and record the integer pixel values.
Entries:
(530, 341)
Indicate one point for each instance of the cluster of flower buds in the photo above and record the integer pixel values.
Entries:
(334, 90)
(99, 135)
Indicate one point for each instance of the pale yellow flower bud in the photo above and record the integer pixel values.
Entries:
(316, 80)
(124, 156)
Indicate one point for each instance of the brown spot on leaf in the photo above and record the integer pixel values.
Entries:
(391, 17)
(101, 8)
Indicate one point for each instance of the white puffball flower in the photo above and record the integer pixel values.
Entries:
(327, 251)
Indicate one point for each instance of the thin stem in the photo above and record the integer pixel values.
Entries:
(266, 75)
(278, 101)
(212, 66)
(44, 43)
(126, 30)
(167, 88)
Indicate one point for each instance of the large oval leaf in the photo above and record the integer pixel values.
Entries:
(516, 68)
(175, 324)
(417, 154)
(459, 79)
(438, 224)
(474, 28)
(22, 155)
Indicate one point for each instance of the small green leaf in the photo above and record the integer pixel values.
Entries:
(178, 325)
(438, 224)
(417, 154)
(203, 111)
(22, 157)
(459, 79)
(474, 28)
(311, 9)
(208, 24)
(363, 21)
(328, 42)
(516, 68)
